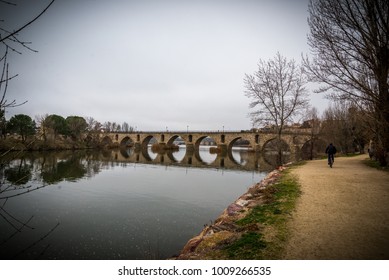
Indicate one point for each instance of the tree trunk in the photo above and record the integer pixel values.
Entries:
(382, 108)
(279, 148)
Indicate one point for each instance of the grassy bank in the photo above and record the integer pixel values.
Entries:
(271, 220)
(258, 230)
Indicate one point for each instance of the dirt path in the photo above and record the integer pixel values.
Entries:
(343, 212)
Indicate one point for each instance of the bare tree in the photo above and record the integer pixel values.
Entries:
(277, 93)
(93, 130)
(343, 125)
(107, 126)
(4, 79)
(349, 40)
(10, 41)
(337, 126)
(42, 123)
(313, 123)
(125, 127)
(93, 125)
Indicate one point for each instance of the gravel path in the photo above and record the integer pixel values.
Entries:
(343, 212)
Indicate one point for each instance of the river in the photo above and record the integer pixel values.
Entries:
(115, 204)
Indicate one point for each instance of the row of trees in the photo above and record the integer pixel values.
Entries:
(349, 42)
(51, 126)
(344, 125)
(341, 123)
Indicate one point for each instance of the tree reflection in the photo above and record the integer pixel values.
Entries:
(28, 234)
(19, 174)
(72, 169)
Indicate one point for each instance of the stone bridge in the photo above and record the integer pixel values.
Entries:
(258, 140)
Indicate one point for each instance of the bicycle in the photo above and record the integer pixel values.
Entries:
(330, 160)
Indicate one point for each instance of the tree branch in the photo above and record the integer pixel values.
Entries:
(27, 24)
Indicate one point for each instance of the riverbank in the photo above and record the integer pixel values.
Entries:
(253, 226)
(35, 144)
(308, 211)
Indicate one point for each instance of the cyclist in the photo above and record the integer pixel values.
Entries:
(330, 150)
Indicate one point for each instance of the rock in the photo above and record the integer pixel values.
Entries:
(233, 208)
(191, 245)
(241, 202)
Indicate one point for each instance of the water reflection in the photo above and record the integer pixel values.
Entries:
(115, 204)
(49, 168)
(235, 159)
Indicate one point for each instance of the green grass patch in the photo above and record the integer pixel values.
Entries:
(272, 218)
(375, 164)
(248, 247)
(352, 154)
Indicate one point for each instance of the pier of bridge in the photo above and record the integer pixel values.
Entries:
(224, 140)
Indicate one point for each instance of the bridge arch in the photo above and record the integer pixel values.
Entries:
(203, 137)
(234, 140)
(270, 151)
(271, 145)
(106, 141)
(238, 157)
(146, 141)
(201, 157)
(311, 149)
(247, 143)
(126, 142)
(127, 152)
(148, 155)
(173, 138)
(176, 156)
(300, 140)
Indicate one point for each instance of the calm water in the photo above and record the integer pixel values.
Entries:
(115, 204)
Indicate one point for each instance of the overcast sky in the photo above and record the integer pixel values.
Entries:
(152, 64)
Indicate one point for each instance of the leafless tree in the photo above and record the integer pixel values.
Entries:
(277, 92)
(349, 41)
(42, 123)
(313, 123)
(125, 127)
(93, 129)
(344, 126)
(93, 125)
(107, 126)
(337, 126)
(10, 41)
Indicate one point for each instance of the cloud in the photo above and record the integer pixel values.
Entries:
(154, 63)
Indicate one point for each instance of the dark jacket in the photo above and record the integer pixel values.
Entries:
(331, 149)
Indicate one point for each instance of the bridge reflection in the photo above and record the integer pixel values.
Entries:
(235, 159)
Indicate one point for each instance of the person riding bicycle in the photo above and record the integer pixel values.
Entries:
(331, 151)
